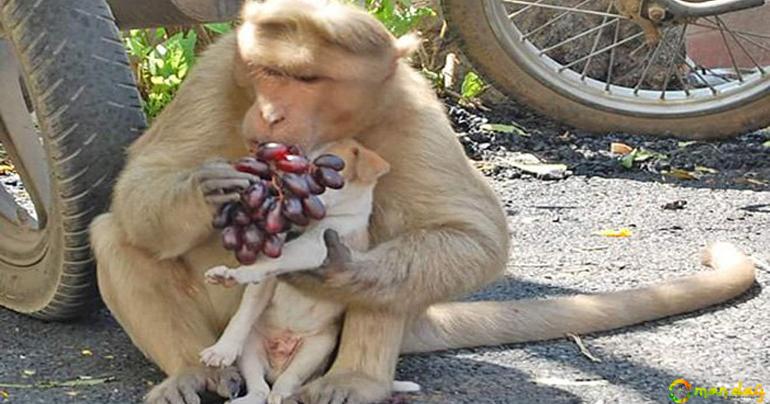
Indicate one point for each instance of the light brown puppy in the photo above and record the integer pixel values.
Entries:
(309, 72)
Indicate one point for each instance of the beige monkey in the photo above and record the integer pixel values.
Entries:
(307, 72)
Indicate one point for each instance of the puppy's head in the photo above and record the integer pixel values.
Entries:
(362, 166)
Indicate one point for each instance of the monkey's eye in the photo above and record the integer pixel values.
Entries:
(271, 72)
(308, 79)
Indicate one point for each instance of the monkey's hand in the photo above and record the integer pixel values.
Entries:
(342, 272)
(220, 182)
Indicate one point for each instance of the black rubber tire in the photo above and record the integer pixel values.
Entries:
(468, 20)
(78, 77)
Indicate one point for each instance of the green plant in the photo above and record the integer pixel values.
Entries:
(399, 16)
(161, 59)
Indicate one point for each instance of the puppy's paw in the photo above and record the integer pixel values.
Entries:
(220, 355)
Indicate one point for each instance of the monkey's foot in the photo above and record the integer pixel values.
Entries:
(348, 387)
(183, 388)
(228, 276)
(221, 354)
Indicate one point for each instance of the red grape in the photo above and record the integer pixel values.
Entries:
(292, 209)
(329, 177)
(231, 238)
(296, 184)
(255, 195)
(293, 164)
(223, 218)
(253, 166)
(273, 246)
(246, 255)
(253, 237)
(240, 217)
(272, 151)
(313, 207)
(330, 161)
(313, 186)
(275, 221)
(279, 204)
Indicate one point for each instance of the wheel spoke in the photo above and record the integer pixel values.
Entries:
(564, 8)
(516, 13)
(740, 45)
(19, 135)
(672, 63)
(600, 51)
(652, 60)
(552, 20)
(600, 28)
(596, 41)
(612, 57)
(729, 51)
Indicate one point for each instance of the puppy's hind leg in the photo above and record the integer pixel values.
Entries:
(309, 360)
(253, 363)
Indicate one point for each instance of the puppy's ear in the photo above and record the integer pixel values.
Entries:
(406, 45)
(369, 165)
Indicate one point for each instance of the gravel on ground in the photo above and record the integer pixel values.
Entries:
(556, 251)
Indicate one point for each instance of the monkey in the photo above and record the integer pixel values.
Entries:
(308, 72)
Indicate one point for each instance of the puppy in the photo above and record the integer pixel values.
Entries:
(278, 333)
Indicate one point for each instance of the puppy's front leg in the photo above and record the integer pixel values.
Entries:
(306, 252)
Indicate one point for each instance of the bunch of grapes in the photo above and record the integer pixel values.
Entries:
(283, 199)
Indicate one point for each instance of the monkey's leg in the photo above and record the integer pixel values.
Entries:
(366, 361)
(165, 311)
(309, 359)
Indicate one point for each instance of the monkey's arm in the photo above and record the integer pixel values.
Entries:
(419, 267)
(166, 209)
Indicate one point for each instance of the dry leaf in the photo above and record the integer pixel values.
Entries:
(620, 148)
(683, 174)
(86, 352)
(28, 372)
(707, 170)
(4, 395)
(6, 169)
(624, 232)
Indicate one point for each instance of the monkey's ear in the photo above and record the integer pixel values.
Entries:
(369, 165)
(407, 44)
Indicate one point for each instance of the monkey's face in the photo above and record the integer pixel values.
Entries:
(317, 70)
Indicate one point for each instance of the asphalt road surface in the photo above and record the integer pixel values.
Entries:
(556, 252)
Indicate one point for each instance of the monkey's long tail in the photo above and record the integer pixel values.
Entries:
(473, 324)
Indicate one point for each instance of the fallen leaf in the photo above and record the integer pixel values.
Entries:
(685, 144)
(620, 148)
(639, 155)
(707, 170)
(28, 372)
(683, 174)
(6, 169)
(675, 205)
(498, 127)
(86, 352)
(623, 232)
(766, 144)
(71, 393)
(583, 350)
(4, 394)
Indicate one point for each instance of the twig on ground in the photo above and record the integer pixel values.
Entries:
(579, 342)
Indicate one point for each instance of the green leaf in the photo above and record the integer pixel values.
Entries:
(472, 86)
(512, 129)
(639, 155)
(766, 144)
(219, 28)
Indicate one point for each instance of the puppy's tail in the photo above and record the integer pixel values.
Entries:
(472, 324)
